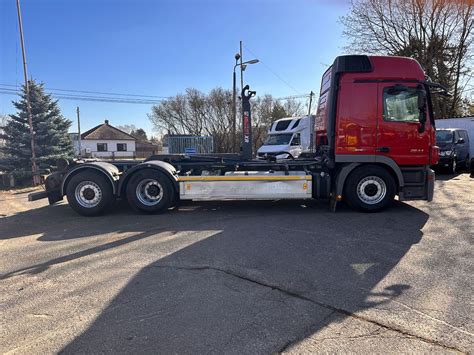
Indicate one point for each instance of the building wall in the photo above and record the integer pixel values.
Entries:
(111, 148)
(466, 123)
(75, 143)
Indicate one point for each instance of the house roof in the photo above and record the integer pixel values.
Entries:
(105, 131)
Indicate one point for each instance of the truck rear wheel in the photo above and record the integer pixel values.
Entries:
(370, 189)
(89, 193)
(150, 191)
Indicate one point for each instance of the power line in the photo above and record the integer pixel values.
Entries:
(273, 72)
(292, 97)
(96, 92)
(6, 91)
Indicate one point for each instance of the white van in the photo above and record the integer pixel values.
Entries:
(287, 138)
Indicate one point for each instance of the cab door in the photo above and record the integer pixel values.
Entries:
(400, 134)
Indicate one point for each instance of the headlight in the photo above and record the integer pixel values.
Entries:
(282, 156)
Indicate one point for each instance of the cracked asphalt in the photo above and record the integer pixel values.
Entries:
(239, 277)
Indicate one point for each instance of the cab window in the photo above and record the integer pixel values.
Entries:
(456, 136)
(296, 139)
(444, 137)
(400, 105)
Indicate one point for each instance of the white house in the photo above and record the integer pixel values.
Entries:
(105, 141)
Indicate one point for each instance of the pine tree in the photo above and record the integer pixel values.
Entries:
(52, 140)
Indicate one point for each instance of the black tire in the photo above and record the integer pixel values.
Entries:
(369, 189)
(453, 166)
(467, 163)
(150, 191)
(93, 185)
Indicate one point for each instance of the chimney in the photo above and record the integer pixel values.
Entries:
(107, 122)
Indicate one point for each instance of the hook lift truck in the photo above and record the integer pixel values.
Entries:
(374, 138)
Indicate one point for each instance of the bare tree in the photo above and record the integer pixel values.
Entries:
(210, 114)
(437, 33)
(127, 128)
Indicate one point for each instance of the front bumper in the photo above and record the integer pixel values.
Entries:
(272, 156)
(444, 161)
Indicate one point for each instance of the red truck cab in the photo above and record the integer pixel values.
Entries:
(377, 110)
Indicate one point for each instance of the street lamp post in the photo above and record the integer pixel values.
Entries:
(234, 94)
(234, 110)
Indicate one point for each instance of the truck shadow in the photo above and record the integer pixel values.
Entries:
(272, 273)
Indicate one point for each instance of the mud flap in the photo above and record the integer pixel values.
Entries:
(333, 201)
(430, 177)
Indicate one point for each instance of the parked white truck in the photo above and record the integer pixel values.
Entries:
(288, 138)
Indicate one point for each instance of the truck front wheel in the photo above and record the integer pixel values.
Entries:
(150, 191)
(89, 193)
(370, 189)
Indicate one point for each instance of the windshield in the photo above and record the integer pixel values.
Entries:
(444, 137)
(279, 139)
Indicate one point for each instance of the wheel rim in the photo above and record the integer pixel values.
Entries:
(371, 190)
(88, 194)
(149, 192)
(454, 166)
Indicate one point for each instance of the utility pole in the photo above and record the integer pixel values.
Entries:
(241, 89)
(79, 131)
(234, 114)
(241, 68)
(311, 120)
(311, 94)
(34, 167)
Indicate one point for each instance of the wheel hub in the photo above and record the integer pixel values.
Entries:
(88, 194)
(371, 190)
(149, 192)
(153, 191)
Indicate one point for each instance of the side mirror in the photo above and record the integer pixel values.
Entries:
(460, 141)
(421, 99)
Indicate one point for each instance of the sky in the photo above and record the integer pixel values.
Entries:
(161, 47)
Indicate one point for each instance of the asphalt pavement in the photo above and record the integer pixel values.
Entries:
(239, 277)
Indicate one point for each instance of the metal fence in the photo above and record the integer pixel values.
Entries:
(190, 144)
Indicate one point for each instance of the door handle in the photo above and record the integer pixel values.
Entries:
(383, 149)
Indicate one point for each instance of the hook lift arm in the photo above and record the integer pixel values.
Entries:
(247, 94)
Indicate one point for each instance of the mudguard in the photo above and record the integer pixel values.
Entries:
(109, 170)
(161, 166)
